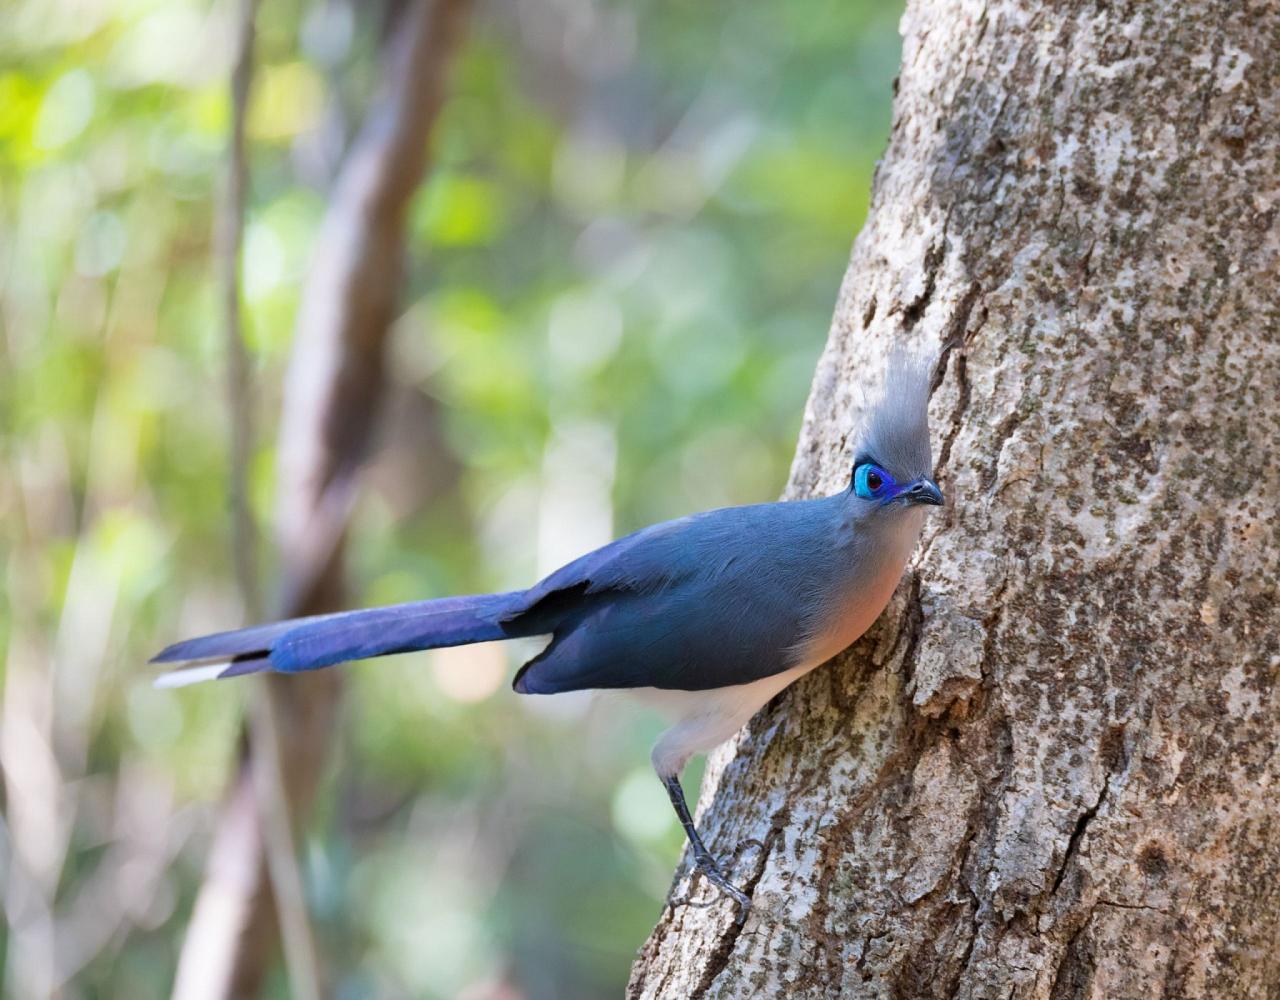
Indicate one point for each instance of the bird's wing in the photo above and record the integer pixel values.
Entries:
(718, 599)
(645, 561)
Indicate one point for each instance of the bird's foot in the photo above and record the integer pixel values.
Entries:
(710, 869)
(702, 860)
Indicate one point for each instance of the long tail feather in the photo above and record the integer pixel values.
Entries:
(224, 645)
(300, 644)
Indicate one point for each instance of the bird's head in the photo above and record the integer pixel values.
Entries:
(893, 463)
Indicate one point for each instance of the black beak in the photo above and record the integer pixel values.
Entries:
(923, 491)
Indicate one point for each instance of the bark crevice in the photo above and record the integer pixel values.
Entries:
(1077, 835)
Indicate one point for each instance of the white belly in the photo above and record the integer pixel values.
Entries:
(705, 719)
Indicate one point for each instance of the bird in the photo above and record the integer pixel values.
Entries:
(707, 616)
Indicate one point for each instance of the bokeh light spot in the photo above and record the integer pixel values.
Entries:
(640, 808)
(469, 673)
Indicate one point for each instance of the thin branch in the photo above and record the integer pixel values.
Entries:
(332, 396)
(268, 784)
(230, 237)
(269, 755)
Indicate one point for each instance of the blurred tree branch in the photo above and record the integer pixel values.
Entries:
(332, 397)
(230, 237)
(268, 768)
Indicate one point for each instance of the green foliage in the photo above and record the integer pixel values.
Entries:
(622, 269)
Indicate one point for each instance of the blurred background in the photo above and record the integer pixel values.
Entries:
(620, 265)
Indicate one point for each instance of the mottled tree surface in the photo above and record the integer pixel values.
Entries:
(1051, 769)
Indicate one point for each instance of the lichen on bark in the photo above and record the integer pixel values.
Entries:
(1050, 770)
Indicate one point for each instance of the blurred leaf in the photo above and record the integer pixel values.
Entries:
(288, 99)
(454, 210)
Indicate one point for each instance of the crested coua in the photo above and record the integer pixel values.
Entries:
(709, 616)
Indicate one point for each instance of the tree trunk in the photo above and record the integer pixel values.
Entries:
(1050, 770)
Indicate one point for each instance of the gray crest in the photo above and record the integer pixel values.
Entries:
(896, 431)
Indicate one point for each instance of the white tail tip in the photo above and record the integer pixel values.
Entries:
(190, 675)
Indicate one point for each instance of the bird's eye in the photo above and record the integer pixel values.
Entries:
(869, 480)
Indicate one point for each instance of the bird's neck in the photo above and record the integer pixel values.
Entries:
(877, 556)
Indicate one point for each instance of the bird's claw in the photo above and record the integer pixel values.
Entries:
(711, 871)
(702, 860)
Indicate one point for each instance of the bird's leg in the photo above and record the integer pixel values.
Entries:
(702, 859)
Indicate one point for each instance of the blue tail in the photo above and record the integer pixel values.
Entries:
(320, 641)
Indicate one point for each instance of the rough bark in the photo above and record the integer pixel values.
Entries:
(1050, 770)
(335, 387)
